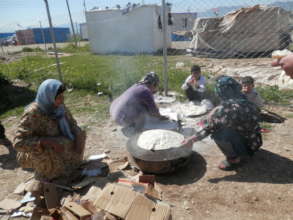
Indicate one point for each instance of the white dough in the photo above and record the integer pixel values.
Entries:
(158, 139)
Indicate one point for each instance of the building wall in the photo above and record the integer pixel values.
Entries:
(183, 21)
(84, 31)
(137, 31)
(25, 37)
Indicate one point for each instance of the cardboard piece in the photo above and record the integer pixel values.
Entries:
(67, 215)
(46, 217)
(20, 189)
(125, 203)
(32, 186)
(147, 179)
(93, 193)
(116, 199)
(77, 209)
(124, 166)
(5, 217)
(9, 204)
(145, 188)
(162, 211)
(89, 206)
(38, 213)
(51, 196)
(28, 208)
(141, 209)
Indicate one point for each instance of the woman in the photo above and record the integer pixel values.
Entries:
(48, 138)
(136, 110)
(233, 124)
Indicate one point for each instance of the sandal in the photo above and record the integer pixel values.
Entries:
(228, 165)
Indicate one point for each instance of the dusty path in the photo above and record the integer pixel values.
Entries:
(261, 190)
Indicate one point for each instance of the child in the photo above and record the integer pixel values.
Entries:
(194, 85)
(250, 93)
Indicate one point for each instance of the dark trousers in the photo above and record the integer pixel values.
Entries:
(231, 143)
(193, 95)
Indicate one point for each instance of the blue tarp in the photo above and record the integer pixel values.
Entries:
(176, 37)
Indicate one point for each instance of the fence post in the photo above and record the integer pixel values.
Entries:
(165, 70)
(43, 36)
(54, 41)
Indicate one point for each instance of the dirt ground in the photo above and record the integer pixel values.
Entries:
(260, 190)
(263, 189)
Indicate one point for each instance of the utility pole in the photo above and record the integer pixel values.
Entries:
(54, 41)
(84, 6)
(165, 72)
(43, 36)
(72, 26)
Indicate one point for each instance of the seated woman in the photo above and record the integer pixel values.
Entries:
(136, 110)
(233, 124)
(48, 138)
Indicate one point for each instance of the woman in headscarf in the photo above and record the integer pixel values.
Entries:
(233, 124)
(48, 138)
(135, 109)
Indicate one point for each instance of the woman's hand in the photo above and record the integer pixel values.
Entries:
(286, 64)
(188, 142)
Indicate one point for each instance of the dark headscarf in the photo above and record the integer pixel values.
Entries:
(228, 88)
(150, 78)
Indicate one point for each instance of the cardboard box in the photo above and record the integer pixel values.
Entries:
(125, 203)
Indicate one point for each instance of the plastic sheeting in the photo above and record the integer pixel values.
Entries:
(253, 31)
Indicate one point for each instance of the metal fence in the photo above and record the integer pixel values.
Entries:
(215, 28)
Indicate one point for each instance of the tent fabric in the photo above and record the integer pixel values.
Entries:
(258, 29)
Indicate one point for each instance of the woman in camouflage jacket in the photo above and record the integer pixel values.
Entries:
(48, 138)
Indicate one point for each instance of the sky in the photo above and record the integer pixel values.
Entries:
(21, 14)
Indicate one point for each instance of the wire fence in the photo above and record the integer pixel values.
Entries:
(213, 29)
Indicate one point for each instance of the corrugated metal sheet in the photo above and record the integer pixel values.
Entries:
(61, 35)
(5, 35)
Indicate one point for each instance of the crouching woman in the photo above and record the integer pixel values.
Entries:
(48, 138)
(233, 124)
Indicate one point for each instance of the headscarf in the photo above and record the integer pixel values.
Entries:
(228, 88)
(46, 98)
(150, 78)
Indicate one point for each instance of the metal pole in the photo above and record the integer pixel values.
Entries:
(54, 41)
(165, 72)
(3, 52)
(72, 26)
(84, 6)
(43, 36)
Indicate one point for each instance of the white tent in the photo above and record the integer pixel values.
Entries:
(132, 30)
(246, 32)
